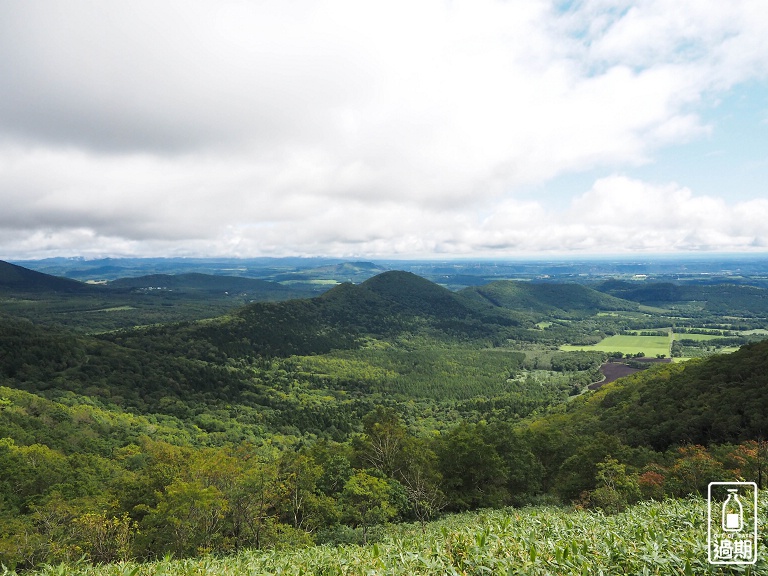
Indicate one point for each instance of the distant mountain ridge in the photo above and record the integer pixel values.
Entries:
(546, 298)
(340, 272)
(205, 282)
(24, 280)
(720, 399)
(719, 298)
(390, 304)
(385, 305)
(20, 279)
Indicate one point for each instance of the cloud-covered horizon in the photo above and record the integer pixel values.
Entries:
(342, 128)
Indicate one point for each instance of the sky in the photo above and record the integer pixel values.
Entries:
(413, 129)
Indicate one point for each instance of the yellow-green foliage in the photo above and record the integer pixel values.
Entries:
(424, 370)
(654, 538)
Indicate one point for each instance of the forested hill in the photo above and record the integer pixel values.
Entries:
(208, 283)
(386, 305)
(52, 362)
(18, 279)
(23, 280)
(286, 423)
(409, 293)
(721, 399)
(720, 298)
(560, 300)
(405, 295)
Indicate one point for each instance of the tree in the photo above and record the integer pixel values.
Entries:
(747, 461)
(336, 471)
(523, 469)
(303, 506)
(578, 472)
(694, 469)
(365, 501)
(387, 446)
(102, 537)
(254, 499)
(382, 443)
(474, 475)
(187, 518)
(52, 520)
(615, 488)
(421, 481)
(40, 469)
(651, 482)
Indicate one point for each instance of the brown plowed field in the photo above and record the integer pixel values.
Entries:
(615, 370)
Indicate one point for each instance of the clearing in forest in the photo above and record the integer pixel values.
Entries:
(628, 344)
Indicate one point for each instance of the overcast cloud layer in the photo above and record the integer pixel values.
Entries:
(368, 129)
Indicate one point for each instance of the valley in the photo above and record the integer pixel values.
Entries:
(187, 413)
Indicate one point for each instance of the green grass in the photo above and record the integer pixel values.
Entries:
(113, 309)
(653, 538)
(628, 314)
(698, 337)
(628, 344)
(728, 350)
(653, 309)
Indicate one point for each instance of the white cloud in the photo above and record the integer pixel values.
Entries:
(619, 214)
(345, 127)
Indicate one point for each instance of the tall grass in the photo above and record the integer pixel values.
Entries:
(651, 538)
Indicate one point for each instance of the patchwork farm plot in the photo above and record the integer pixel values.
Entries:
(650, 346)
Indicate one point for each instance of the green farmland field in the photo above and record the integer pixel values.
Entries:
(628, 344)
(698, 337)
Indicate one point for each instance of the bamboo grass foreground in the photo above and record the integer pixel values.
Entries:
(650, 538)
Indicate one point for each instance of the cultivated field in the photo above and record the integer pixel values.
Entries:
(628, 344)
(697, 337)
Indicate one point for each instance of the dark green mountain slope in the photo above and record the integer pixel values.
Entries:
(222, 402)
(721, 399)
(384, 306)
(17, 279)
(51, 360)
(721, 298)
(656, 292)
(396, 301)
(407, 293)
(154, 299)
(405, 289)
(205, 284)
(563, 300)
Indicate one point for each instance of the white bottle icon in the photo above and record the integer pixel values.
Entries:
(733, 513)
